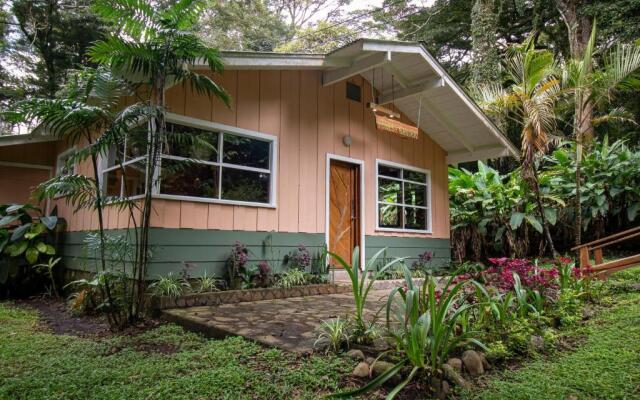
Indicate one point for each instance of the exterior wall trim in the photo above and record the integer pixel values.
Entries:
(327, 208)
(25, 165)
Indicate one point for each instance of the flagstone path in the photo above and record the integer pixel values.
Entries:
(290, 324)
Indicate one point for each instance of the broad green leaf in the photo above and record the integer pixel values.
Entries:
(534, 223)
(15, 249)
(551, 215)
(19, 232)
(41, 247)
(516, 220)
(50, 250)
(7, 219)
(50, 221)
(31, 255)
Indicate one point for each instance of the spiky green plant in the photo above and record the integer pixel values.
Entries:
(169, 285)
(425, 326)
(291, 278)
(361, 283)
(334, 333)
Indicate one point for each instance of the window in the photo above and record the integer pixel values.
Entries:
(403, 198)
(123, 168)
(64, 164)
(199, 161)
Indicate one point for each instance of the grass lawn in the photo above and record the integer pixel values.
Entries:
(605, 366)
(36, 364)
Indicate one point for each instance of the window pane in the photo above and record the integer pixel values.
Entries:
(389, 216)
(188, 178)
(137, 142)
(247, 152)
(415, 218)
(389, 191)
(245, 185)
(192, 143)
(415, 176)
(134, 178)
(112, 183)
(389, 171)
(415, 195)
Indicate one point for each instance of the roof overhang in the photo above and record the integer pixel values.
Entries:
(407, 75)
(35, 137)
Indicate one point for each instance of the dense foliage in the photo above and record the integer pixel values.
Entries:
(494, 214)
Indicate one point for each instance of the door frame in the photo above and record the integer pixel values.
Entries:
(360, 164)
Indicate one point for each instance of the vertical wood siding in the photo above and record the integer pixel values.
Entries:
(310, 121)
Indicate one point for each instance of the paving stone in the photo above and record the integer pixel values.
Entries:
(287, 323)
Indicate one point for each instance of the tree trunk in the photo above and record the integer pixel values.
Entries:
(545, 226)
(579, 31)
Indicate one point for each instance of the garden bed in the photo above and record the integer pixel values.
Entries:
(240, 296)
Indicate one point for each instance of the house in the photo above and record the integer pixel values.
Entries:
(300, 159)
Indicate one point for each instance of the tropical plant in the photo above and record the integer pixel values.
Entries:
(206, 283)
(425, 324)
(592, 87)
(529, 99)
(300, 258)
(291, 278)
(334, 334)
(47, 269)
(237, 265)
(361, 283)
(158, 45)
(169, 285)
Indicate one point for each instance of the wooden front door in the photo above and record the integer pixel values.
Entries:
(344, 209)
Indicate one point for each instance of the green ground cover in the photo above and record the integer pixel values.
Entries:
(605, 366)
(36, 364)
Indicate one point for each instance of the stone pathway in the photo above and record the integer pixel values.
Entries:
(290, 324)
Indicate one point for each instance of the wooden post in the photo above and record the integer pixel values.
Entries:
(584, 257)
(597, 254)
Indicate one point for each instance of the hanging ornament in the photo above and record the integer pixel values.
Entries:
(388, 120)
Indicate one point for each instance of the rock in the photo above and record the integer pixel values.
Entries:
(485, 362)
(455, 377)
(356, 354)
(456, 364)
(380, 367)
(472, 363)
(536, 343)
(361, 370)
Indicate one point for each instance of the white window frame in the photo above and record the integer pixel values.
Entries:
(221, 129)
(429, 208)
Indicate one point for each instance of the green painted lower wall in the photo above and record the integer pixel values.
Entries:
(208, 250)
(410, 247)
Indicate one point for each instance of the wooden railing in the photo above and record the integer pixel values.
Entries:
(596, 247)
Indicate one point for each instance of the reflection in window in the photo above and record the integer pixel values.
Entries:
(403, 198)
(245, 185)
(216, 165)
(186, 178)
(195, 162)
(244, 151)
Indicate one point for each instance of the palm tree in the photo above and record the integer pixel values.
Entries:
(529, 99)
(591, 88)
(86, 112)
(155, 44)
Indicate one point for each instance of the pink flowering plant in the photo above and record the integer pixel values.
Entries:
(301, 258)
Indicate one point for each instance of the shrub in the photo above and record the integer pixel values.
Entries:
(291, 278)
(334, 334)
(169, 286)
(300, 258)
(236, 266)
(206, 283)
